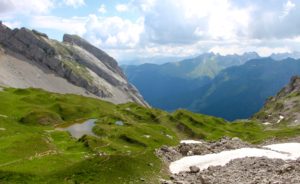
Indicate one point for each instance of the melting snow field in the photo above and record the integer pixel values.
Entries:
(190, 142)
(292, 149)
(285, 151)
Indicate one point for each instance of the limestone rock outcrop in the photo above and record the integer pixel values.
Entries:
(74, 60)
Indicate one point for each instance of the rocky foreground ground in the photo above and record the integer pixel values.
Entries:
(250, 170)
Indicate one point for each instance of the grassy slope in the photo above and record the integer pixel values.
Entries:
(32, 151)
(287, 106)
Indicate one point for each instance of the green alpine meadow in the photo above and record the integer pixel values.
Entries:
(33, 150)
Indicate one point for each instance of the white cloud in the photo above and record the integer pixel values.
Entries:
(144, 5)
(234, 49)
(102, 9)
(74, 3)
(12, 25)
(288, 6)
(267, 51)
(280, 22)
(168, 28)
(188, 21)
(75, 25)
(122, 7)
(189, 27)
(107, 32)
(113, 32)
(28, 7)
(185, 27)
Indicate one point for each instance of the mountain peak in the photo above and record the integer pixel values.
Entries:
(284, 107)
(73, 39)
(253, 54)
(292, 87)
(71, 66)
(98, 53)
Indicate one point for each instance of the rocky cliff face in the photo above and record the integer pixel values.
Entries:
(77, 62)
(284, 107)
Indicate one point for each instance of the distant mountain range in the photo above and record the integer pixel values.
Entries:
(154, 59)
(232, 87)
(240, 91)
(163, 85)
(280, 56)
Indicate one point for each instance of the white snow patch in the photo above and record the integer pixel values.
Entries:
(190, 142)
(280, 119)
(267, 123)
(147, 136)
(286, 151)
(292, 149)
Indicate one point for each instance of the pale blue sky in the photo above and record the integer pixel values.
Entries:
(139, 29)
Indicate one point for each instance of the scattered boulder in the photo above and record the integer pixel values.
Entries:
(249, 170)
(194, 169)
(170, 154)
(285, 168)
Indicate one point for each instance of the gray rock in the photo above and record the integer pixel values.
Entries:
(250, 170)
(281, 107)
(194, 169)
(101, 55)
(75, 60)
(162, 181)
(286, 168)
